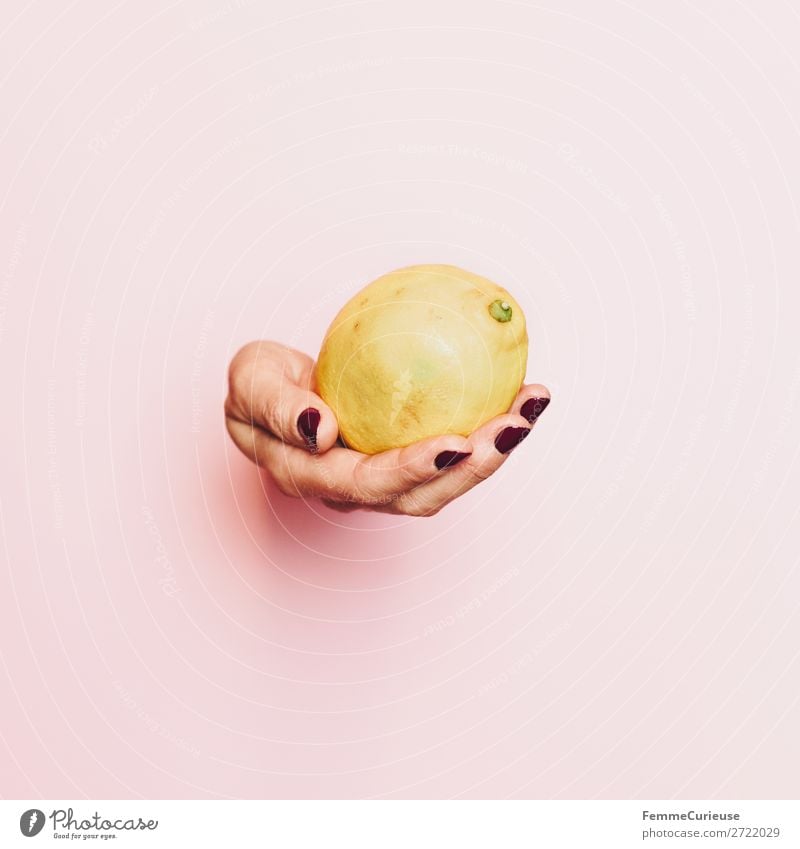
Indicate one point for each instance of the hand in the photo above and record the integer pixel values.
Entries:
(279, 423)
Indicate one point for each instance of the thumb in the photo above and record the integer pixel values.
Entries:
(270, 388)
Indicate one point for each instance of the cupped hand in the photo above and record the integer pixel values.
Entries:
(279, 423)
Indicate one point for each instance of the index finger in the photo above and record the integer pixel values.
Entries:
(344, 475)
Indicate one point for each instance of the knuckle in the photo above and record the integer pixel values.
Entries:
(361, 488)
(417, 506)
(238, 378)
(256, 349)
(481, 470)
(247, 358)
(239, 361)
(285, 483)
(271, 414)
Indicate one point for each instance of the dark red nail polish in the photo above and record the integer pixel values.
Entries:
(307, 424)
(509, 438)
(445, 459)
(533, 408)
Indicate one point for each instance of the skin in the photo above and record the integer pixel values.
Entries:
(269, 387)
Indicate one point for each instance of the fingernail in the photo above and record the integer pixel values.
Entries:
(450, 458)
(533, 408)
(307, 424)
(509, 438)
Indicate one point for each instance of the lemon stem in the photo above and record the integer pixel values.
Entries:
(500, 310)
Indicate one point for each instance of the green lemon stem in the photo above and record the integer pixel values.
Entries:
(500, 310)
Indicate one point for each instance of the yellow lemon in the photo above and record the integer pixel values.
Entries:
(421, 351)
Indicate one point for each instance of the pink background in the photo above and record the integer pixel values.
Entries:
(614, 614)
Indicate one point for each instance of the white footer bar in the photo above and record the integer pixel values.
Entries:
(402, 824)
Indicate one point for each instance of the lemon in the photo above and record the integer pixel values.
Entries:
(421, 351)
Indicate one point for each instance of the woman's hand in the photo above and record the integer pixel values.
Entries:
(280, 424)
